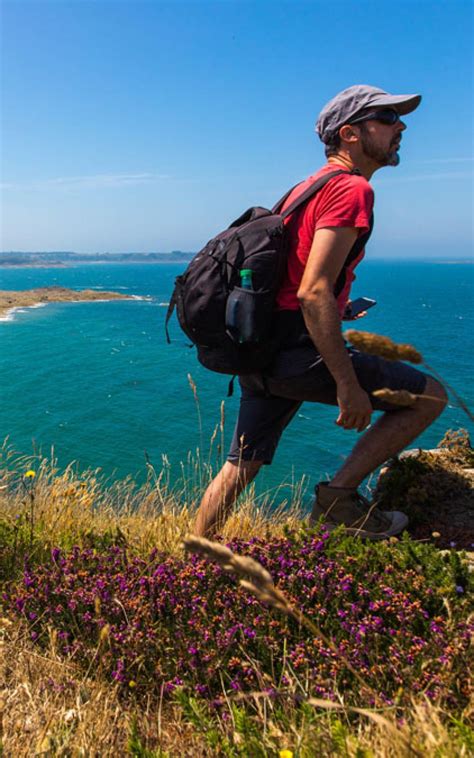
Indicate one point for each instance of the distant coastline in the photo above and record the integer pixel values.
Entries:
(68, 259)
(455, 263)
(13, 300)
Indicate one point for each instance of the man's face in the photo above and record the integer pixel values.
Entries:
(381, 142)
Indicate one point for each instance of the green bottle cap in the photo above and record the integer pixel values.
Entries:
(246, 272)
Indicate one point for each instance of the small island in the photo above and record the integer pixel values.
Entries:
(12, 299)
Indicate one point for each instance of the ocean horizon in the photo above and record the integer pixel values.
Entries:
(97, 383)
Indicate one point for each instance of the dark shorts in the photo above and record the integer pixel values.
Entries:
(268, 403)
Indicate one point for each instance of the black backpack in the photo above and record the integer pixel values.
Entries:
(232, 326)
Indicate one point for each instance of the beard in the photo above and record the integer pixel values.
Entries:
(385, 157)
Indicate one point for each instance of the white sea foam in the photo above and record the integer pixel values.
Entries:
(10, 313)
(103, 286)
(8, 316)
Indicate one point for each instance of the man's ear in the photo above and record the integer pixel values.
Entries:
(349, 133)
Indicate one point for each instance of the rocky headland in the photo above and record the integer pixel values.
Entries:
(11, 299)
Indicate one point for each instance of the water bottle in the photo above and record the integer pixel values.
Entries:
(240, 310)
(246, 279)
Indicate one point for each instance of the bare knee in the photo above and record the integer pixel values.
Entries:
(434, 389)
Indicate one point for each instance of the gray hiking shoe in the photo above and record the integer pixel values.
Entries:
(344, 505)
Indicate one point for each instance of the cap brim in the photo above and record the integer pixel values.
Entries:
(403, 104)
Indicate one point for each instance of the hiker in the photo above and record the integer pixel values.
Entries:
(361, 129)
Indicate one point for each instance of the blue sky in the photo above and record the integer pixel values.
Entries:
(149, 126)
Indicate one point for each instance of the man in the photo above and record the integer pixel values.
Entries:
(361, 129)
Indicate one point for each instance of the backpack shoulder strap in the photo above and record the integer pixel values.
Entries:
(308, 193)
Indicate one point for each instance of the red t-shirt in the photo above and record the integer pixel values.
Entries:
(346, 200)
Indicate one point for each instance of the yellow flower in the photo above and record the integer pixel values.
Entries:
(30, 474)
(285, 754)
(132, 684)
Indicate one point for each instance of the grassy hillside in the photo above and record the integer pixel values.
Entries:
(114, 640)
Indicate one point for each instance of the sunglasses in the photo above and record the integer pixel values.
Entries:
(385, 116)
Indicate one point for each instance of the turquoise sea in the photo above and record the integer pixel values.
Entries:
(98, 383)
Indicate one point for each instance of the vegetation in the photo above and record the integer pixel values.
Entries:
(114, 639)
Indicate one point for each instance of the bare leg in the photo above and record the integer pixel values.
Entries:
(221, 495)
(389, 435)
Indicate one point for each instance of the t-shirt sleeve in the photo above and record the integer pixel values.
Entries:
(345, 201)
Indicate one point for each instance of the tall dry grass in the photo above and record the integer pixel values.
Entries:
(53, 507)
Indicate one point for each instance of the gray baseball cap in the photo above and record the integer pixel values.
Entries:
(353, 100)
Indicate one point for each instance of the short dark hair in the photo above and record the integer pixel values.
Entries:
(332, 147)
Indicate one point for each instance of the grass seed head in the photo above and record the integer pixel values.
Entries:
(395, 397)
(270, 595)
(377, 344)
(246, 566)
(213, 550)
(242, 565)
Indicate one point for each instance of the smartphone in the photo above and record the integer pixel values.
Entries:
(359, 305)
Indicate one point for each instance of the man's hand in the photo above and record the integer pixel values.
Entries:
(347, 313)
(355, 408)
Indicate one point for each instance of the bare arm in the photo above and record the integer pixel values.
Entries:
(328, 252)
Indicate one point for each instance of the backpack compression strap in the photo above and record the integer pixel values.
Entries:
(169, 313)
(308, 193)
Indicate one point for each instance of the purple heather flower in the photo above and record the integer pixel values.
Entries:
(169, 687)
(172, 610)
(459, 589)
